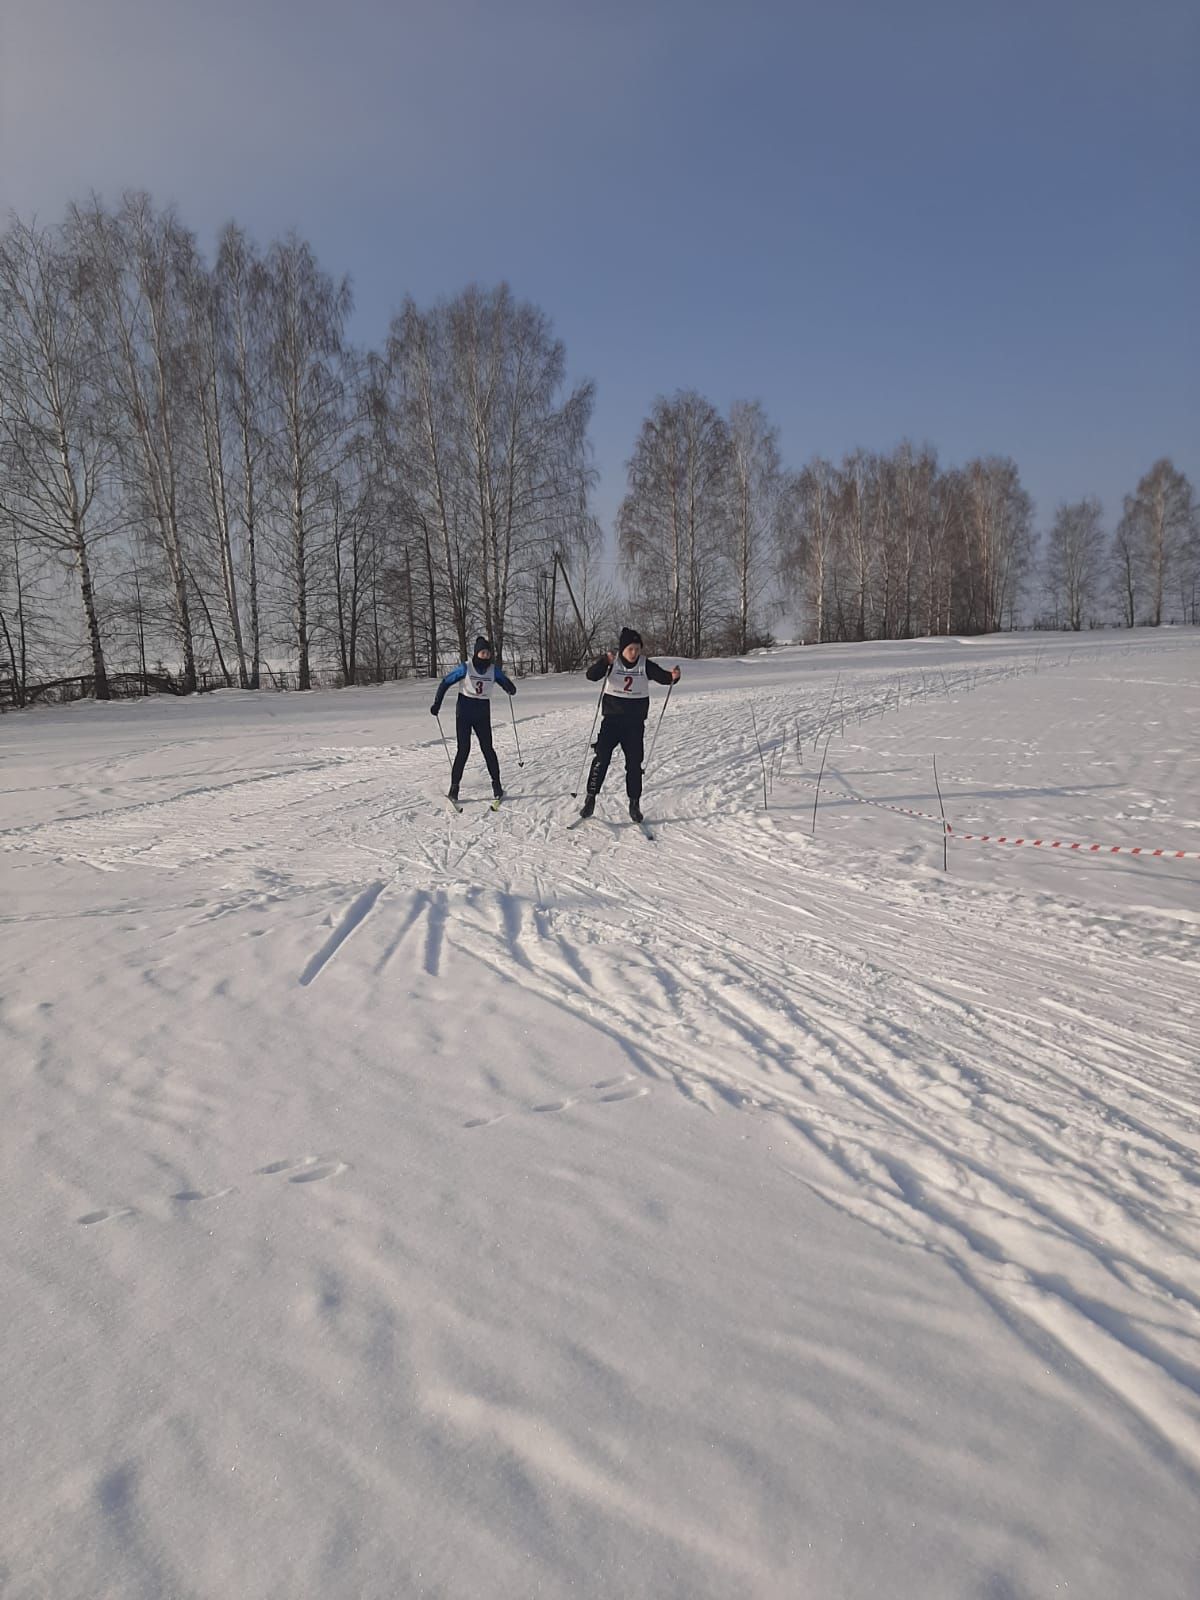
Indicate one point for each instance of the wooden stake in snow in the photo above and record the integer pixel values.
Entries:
(945, 829)
(820, 775)
(762, 762)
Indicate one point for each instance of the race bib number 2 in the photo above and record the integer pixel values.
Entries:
(628, 685)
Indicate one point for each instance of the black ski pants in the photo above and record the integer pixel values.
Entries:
(477, 720)
(630, 734)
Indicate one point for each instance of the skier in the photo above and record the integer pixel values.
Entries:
(474, 711)
(625, 707)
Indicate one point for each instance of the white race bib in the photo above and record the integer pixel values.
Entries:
(478, 685)
(626, 682)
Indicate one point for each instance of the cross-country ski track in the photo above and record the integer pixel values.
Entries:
(491, 1208)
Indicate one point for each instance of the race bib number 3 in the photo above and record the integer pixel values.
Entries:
(479, 683)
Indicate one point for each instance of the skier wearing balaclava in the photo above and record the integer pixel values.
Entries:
(624, 708)
(475, 679)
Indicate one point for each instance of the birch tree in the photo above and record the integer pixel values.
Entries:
(241, 282)
(997, 540)
(942, 534)
(425, 457)
(133, 263)
(1074, 561)
(672, 524)
(357, 531)
(493, 448)
(207, 363)
(1126, 570)
(858, 511)
(810, 542)
(1156, 531)
(913, 484)
(14, 615)
(54, 455)
(756, 487)
(304, 371)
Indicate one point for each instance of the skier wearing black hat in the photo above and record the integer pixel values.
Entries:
(624, 708)
(476, 679)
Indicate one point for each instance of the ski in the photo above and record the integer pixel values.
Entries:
(453, 804)
(643, 828)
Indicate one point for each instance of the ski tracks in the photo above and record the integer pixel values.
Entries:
(1002, 1081)
(1048, 1152)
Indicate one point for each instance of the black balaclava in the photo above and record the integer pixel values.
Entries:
(483, 644)
(629, 636)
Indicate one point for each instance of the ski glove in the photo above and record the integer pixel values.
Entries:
(433, 710)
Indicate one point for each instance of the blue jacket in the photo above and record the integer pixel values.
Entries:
(468, 704)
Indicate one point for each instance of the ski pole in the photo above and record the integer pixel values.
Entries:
(658, 725)
(445, 746)
(583, 769)
(516, 735)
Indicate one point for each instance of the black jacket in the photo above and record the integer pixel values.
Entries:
(613, 705)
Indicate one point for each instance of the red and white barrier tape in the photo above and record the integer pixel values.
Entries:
(1003, 838)
(880, 805)
(1083, 849)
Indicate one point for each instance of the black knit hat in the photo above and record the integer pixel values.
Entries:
(629, 636)
(484, 644)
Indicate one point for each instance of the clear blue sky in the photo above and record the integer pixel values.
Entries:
(970, 223)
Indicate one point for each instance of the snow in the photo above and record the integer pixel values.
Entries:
(402, 1203)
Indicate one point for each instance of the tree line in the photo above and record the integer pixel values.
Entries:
(229, 484)
(717, 534)
(204, 482)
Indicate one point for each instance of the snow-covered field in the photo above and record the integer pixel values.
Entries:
(402, 1204)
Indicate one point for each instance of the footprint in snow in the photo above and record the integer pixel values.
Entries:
(308, 1169)
(92, 1217)
(625, 1087)
(616, 1089)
